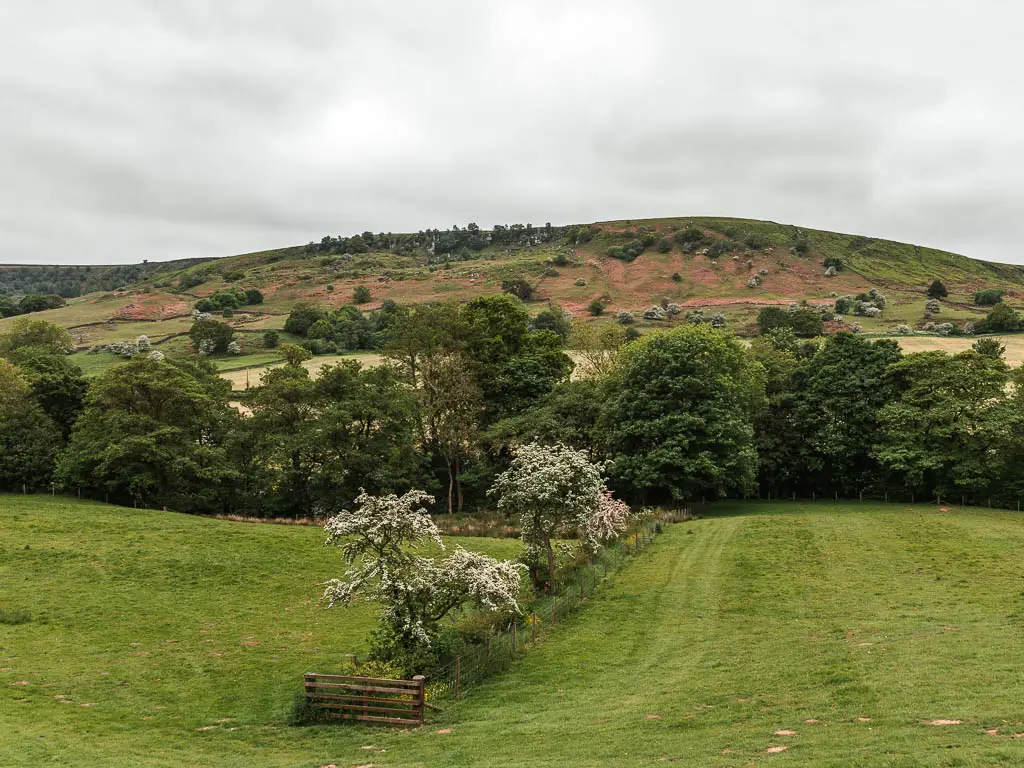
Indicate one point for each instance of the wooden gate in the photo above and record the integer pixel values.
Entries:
(368, 699)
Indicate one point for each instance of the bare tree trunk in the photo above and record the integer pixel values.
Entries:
(458, 484)
(451, 483)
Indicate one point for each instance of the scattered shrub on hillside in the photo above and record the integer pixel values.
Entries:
(830, 272)
(721, 248)
(271, 339)
(209, 336)
(754, 281)
(673, 309)
(361, 295)
(988, 297)
(518, 287)
(301, 318)
(664, 246)
(968, 328)
(937, 290)
(696, 316)
(856, 328)
(689, 236)
(625, 317)
(234, 348)
(596, 307)
(1001, 318)
(718, 320)
(676, 277)
(944, 329)
(802, 246)
(157, 355)
(756, 242)
(835, 262)
(655, 313)
(904, 329)
(580, 282)
(932, 306)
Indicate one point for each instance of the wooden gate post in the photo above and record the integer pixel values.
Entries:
(420, 698)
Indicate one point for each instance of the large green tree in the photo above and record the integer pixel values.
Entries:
(57, 384)
(946, 431)
(153, 432)
(818, 433)
(29, 439)
(678, 416)
(40, 335)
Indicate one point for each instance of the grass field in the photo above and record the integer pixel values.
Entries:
(847, 630)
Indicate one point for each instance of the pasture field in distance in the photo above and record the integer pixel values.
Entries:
(833, 635)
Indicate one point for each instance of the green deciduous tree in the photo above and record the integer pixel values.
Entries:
(937, 290)
(678, 417)
(945, 430)
(40, 335)
(153, 432)
(29, 439)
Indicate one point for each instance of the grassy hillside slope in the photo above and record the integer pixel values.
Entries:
(792, 259)
(837, 632)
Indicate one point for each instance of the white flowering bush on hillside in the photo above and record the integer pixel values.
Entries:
(556, 491)
(381, 540)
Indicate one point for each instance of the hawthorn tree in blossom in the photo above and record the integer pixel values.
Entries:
(380, 541)
(556, 491)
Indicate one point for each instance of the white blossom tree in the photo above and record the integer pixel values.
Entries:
(608, 522)
(380, 541)
(555, 491)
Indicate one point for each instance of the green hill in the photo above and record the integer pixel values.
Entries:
(732, 266)
(844, 634)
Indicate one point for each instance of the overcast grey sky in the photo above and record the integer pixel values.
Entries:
(161, 129)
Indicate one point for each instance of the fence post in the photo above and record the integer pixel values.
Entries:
(421, 697)
(534, 628)
(458, 677)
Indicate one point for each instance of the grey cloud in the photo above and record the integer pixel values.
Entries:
(159, 129)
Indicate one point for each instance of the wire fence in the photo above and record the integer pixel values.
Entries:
(570, 590)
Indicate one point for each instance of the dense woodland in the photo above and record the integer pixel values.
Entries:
(679, 415)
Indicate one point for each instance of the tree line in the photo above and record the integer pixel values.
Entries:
(675, 416)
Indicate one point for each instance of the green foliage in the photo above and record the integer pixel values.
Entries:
(301, 318)
(664, 246)
(518, 287)
(817, 436)
(988, 297)
(210, 335)
(1001, 319)
(153, 432)
(691, 235)
(678, 416)
(676, 277)
(295, 355)
(805, 321)
(844, 305)
(596, 307)
(57, 385)
(310, 445)
(937, 290)
(361, 295)
(989, 348)
(556, 320)
(39, 302)
(29, 439)
(952, 428)
(32, 334)
(271, 339)
(835, 262)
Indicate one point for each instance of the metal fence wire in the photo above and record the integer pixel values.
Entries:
(571, 589)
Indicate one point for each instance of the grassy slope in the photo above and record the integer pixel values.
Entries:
(764, 618)
(287, 276)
